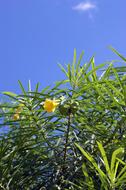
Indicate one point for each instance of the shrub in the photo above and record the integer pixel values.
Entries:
(38, 151)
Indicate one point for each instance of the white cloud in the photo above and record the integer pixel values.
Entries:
(84, 6)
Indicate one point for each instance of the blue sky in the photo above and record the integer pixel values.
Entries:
(37, 34)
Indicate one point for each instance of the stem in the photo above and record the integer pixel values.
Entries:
(67, 134)
(2, 187)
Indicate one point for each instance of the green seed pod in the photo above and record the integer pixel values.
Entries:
(74, 107)
(68, 107)
(64, 109)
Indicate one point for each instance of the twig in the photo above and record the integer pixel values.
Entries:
(67, 134)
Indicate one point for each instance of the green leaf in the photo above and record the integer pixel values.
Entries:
(90, 158)
(58, 83)
(114, 155)
(123, 58)
(122, 172)
(114, 89)
(11, 95)
(121, 179)
(69, 72)
(44, 90)
(106, 72)
(74, 62)
(64, 71)
(95, 68)
(89, 181)
(94, 75)
(114, 172)
(112, 95)
(37, 86)
(79, 62)
(22, 88)
(103, 153)
(29, 86)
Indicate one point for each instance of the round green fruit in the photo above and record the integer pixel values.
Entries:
(68, 107)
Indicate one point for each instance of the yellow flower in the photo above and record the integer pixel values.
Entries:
(16, 116)
(50, 105)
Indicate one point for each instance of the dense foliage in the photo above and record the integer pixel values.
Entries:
(70, 136)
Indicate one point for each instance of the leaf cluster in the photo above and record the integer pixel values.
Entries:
(79, 146)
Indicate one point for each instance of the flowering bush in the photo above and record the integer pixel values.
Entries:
(70, 136)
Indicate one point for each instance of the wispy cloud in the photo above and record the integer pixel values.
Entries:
(84, 6)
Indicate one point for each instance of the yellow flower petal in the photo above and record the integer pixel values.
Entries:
(16, 116)
(50, 105)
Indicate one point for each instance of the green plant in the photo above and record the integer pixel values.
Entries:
(38, 150)
(110, 178)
